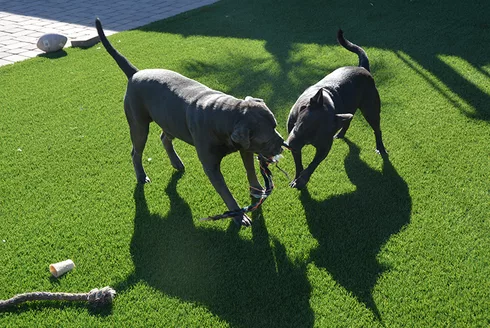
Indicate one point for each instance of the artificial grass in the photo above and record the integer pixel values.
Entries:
(371, 242)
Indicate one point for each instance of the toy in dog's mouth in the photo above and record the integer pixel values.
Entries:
(269, 160)
(275, 158)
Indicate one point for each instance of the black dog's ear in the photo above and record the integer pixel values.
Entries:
(317, 99)
(241, 135)
(254, 99)
(344, 117)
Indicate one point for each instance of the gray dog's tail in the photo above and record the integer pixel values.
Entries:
(363, 58)
(128, 68)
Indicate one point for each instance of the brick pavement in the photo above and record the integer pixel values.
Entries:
(22, 22)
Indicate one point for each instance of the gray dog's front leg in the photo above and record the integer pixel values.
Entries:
(212, 170)
(172, 155)
(256, 189)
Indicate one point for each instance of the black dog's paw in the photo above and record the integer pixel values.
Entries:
(242, 220)
(144, 180)
(301, 181)
(383, 152)
(298, 183)
(178, 165)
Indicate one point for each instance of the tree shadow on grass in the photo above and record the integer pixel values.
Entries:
(423, 30)
(352, 228)
(249, 283)
(261, 77)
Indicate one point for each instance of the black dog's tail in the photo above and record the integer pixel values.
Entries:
(363, 58)
(128, 68)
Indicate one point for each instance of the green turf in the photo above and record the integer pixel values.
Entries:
(402, 242)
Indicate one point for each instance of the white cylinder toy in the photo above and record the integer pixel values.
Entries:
(60, 268)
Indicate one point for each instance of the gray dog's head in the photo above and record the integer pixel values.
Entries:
(315, 122)
(256, 130)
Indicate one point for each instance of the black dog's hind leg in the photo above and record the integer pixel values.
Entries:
(345, 127)
(371, 109)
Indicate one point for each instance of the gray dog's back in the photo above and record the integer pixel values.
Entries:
(167, 97)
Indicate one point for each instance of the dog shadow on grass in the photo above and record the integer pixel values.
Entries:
(249, 283)
(352, 228)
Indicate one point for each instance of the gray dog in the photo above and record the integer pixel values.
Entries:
(215, 123)
(327, 107)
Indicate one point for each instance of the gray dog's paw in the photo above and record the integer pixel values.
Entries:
(242, 220)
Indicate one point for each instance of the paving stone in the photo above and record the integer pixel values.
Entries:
(4, 62)
(4, 54)
(30, 54)
(22, 22)
(15, 45)
(14, 58)
(7, 42)
(15, 51)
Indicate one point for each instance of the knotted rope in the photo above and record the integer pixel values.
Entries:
(96, 297)
(269, 186)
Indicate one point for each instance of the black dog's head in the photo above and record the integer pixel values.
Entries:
(256, 130)
(314, 122)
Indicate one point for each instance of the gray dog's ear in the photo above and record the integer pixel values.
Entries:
(317, 99)
(241, 135)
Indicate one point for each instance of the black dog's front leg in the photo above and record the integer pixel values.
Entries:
(298, 163)
(303, 178)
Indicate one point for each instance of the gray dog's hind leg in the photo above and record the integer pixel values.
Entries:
(139, 135)
(138, 131)
(172, 155)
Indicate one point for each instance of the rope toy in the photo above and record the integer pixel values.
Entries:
(269, 186)
(97, 297)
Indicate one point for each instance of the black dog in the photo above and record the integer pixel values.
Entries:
(328, 106)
